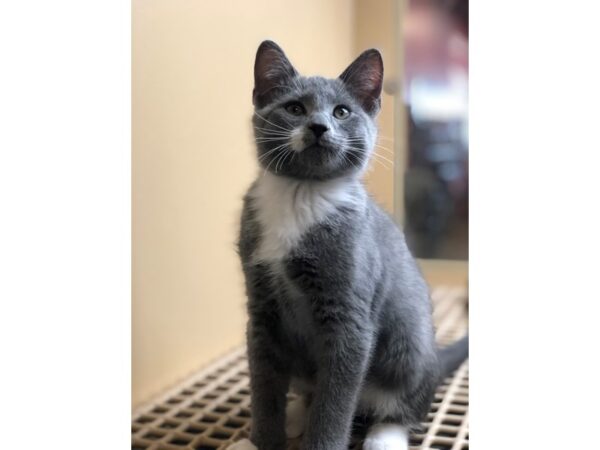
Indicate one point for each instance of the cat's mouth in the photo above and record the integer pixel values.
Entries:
(319, 146)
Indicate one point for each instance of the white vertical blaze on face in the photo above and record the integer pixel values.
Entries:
(297, 139)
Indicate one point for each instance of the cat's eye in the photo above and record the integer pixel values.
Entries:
(295, 109)
(341, 112)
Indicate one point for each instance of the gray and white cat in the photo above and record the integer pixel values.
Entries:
(338, 310)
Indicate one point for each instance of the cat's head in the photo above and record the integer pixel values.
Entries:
(313, 127)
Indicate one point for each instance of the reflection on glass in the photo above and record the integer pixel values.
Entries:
(436, 95)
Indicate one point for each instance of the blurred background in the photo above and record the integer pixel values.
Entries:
(193, 155)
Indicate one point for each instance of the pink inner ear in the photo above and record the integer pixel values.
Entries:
(273, 64)
(271, 70)
(270, 67)
(267, 64)
(371, 78)
(365, 75)
(368, 82)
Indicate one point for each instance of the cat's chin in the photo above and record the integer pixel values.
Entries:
(317, 162)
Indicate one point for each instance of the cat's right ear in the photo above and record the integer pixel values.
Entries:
(272, 72)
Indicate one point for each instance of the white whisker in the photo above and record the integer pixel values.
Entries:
(275, 125)
(279, 147)
(282, 162)
(385, 138)
(383, 157)
(384, 148)
(271, 139)
(273, 132)
(376, 156)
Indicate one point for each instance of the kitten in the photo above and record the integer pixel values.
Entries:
(338, 310)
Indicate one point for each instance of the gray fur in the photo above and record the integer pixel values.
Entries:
(345, 313)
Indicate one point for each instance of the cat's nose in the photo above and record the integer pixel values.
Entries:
(318, 129)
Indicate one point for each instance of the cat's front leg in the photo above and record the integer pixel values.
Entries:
(269, 382)
(268, 362)
(342, 366)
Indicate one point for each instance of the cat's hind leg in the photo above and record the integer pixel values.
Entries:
(386, 410)
(387, 436)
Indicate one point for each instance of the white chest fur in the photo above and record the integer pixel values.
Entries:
(287, 208)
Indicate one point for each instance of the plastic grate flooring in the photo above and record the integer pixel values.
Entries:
(210, 409)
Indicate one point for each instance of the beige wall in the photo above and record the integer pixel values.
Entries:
(193, 159)
(375, 27)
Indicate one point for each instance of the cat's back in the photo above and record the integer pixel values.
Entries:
(249, 231)
(386, 234)
(401, 275)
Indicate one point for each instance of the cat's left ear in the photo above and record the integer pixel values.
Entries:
(272, 72)
(364, 79)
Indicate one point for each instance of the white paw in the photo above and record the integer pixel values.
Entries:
(386, 436)
(373, 444)
(295, 417)
(244, 444)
